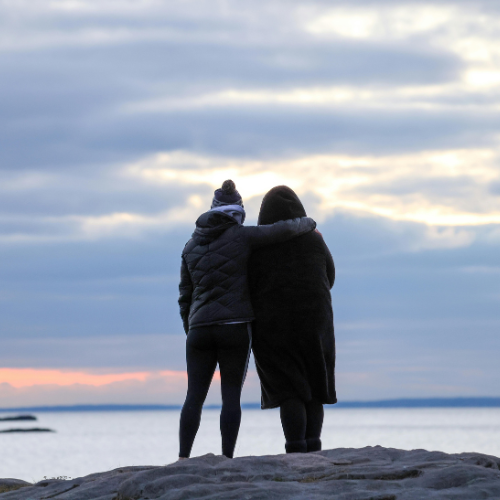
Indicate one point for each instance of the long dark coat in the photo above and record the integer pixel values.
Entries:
(293, 336)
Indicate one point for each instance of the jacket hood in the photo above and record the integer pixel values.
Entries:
(280, 203)
(211, 225)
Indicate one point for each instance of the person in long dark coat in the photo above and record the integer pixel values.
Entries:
(293, 341)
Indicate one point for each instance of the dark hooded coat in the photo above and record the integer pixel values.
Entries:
(293, 336)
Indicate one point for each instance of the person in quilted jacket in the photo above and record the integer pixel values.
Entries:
(216, 311)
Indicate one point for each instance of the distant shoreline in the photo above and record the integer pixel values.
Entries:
(386, 403)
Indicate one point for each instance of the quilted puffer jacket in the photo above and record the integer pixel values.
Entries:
(214, 286)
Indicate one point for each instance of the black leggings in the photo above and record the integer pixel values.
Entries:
(228, 345)
(302, 423)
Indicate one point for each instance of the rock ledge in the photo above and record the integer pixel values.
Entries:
(371, 473)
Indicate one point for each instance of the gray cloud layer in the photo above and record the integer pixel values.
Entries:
(87, 92)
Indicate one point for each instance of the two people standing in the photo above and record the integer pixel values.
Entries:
(221, 280)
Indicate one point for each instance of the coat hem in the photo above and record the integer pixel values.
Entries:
(277, 404)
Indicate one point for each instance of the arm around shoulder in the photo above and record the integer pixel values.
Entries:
(280, 231)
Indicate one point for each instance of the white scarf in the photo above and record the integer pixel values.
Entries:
(230, 209)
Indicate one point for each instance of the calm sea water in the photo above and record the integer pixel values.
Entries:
(97, 441)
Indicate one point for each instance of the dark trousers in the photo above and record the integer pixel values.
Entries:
(228, 345)
(302, 424)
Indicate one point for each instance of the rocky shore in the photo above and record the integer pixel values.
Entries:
(371, 473)
(26, 429)
(17, 418)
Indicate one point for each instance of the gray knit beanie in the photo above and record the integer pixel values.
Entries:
(226, 195)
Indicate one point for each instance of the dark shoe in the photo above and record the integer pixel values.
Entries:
(313, 444)
(296, 446)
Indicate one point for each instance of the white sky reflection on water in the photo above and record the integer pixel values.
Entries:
(99, 441)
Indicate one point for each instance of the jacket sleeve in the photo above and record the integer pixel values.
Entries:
(258, 236)
(185, 295)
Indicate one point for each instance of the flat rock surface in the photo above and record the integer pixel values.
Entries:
(371, 473)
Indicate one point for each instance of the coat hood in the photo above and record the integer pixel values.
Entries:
(280, 203)
(211, 225)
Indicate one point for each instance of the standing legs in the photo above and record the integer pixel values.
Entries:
(315, 413)
(201, 366)
(294, 422)
(233, 362)
(302, 424)
(229, 345)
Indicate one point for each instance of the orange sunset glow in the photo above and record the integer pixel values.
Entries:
(26, 377)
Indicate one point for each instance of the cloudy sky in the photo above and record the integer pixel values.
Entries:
(118, 119)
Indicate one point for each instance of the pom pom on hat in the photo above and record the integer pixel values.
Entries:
(226, 195)
(228, 187)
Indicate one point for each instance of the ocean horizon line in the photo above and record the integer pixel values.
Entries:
(456, 402)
